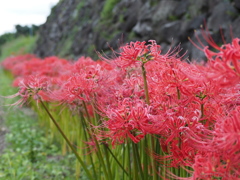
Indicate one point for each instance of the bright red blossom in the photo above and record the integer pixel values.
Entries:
(193, 110)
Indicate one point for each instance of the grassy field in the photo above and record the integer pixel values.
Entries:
(20, 45)
(29, 153)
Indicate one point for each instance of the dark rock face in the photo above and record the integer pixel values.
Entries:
(221, 16)
(237, 4)
(76, 28)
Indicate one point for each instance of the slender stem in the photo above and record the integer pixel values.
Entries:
(137, 160)
(100, 157)
(85, 135)
(99, 153)
(108, 162)
(155, 177)
(117, 160)
(83, 125)
(144, 73)
(129, 159)
(182, 172)
(86, 111)
(68, 142)
(145, 158)
(158, 151)
(178, 93)
(123, 160)
(135, 167)
(202, 110)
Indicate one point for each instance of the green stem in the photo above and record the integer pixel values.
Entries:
(100, 157)
(85, 108)
(202, 110)
(68, 142)
(85, 135)
(83, 125)
(178, 93)
(155, 177)
(144, 73)
(107, 161)
(99, 153)
(117, 160)
(145, 158)
(158, 151)
(137, 160)
(129, 159)
(135, 167)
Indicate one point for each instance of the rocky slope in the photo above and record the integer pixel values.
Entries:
(79, 27)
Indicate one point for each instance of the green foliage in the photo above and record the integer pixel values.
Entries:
(6, 38)
(91, 49)
(20, 31)
(187, 16)
(232, 14)
(154, 2)
(66, 45)
(26, 30)
(80, 5)
(131, 36)
(30, 154)
(20, 45)
(172, 18)
(121, 18)
(107, 9)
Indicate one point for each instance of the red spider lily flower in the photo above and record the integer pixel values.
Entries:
(31, 87)
(211, 165)
(134, 54)
(54, 67)
(130, 119)
(10, 62)
(82, 63)
(76, 88)
(193, 109)
(224, 65)
(227, 136)
(229, 54)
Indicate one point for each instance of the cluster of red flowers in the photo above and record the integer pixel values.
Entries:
(193, 109)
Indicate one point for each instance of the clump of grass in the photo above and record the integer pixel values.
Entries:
(107, 9)
(20, 45)
(29, 154)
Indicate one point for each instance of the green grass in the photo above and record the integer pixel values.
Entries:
(20, 45)
(30, 154)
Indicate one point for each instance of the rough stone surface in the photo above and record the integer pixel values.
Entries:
(237, 4)
(164, 10)
(167, 30)
(221, 16)
(76, 28)
(235, 27)
(194, 52)
(142, 29)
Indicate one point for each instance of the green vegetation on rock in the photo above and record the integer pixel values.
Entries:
(107, 9)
